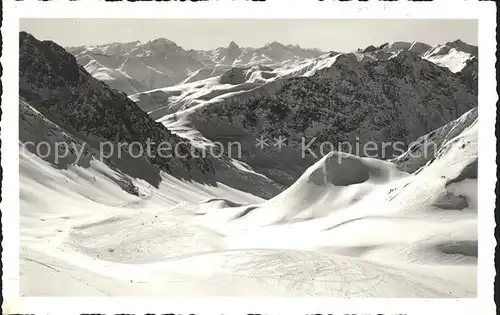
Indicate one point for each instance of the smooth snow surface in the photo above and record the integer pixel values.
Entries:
(349, 227)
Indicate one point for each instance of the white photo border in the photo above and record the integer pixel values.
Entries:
(301, 9)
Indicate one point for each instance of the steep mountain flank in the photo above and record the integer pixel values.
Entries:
(53, 83)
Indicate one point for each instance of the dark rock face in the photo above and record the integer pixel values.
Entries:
(370, 49)
(462, 46)
(234, 76)
(51, 80)
(469, 172)
(393, 101)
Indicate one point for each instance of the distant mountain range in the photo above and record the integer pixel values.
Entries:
(137, 67)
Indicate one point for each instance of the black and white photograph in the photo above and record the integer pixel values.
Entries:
(341, 167)
(250, 158)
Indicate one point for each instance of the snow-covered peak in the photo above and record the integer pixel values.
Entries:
(233, 48)
(275, 45)
(230, 54)
(233, 45)
(111, 49)
(452, 55)
(163, 44)
(396, 46)
(462, 46)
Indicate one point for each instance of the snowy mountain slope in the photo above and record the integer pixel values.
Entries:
(341, 184)
(54, 84)
(337, 99)
(61, 97)
(427, 146)
(133, 176)
(226, 82)
(124, 262)
(452, 55)
(231, 82)
(368, 209)
(378, 237)
(347, 104)
(115, 78)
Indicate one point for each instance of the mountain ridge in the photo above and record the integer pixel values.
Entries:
(148, 60)
(52, 82)
(136, 67)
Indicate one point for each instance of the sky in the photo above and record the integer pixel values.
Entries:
(327, 35)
